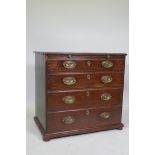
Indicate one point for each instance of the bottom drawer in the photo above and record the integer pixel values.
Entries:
(83, 119)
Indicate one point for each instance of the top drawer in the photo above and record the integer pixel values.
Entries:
(85, 65)
(73, 63)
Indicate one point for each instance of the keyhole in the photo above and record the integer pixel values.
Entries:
(87, 93)
(88, 76)
(69, 56)
(88, 63)
(87, 112)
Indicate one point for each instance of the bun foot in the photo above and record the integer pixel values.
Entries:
(120, 127)
(45, 139)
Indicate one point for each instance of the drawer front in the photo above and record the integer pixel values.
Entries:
(68, 100)
(104, 116)
(65, 121)
(93, 80)
(82, 119)
(85, 65)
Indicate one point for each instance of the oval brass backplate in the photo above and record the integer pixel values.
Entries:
(107, 64)
(68, 119)
(68, 99)
(105, 115)
(106, 96)
(69, 80)
(69, 64)
(106, 79)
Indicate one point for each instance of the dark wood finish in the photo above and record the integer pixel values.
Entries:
(47, 136)
(40, 88)
(87, 107)
(55, 99)
(82, 65)
(84, 118)
(56, 81)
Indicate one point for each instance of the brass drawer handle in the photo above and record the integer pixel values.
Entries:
(105, 115)
(106, 97)
(69, 64)
(69, 80)
(68, 120)
(106, 79)
(68, 99)
(107, 64)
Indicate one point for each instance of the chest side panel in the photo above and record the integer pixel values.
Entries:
(40, 89)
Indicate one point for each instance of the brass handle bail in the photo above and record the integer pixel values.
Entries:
(106, 97)
(105, 115)
(68, 99)
(68, 119)
(106, 79)
(69, 64)
(69, 80)
(107, 64)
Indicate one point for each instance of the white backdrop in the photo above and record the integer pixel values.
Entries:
(75, 25)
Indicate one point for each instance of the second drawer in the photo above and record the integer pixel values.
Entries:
(83, 80)
(67, 100)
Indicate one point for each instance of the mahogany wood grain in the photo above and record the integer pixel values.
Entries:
(40, 88)
(82, 65)
(82, 119)
(55, 81)
(50, 135)
(82, 100)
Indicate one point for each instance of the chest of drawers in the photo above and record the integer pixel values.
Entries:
(78, 93)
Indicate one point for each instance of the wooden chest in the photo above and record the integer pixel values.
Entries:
(78, 92)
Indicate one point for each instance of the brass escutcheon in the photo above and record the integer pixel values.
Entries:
(69, 64)
(105, 115)
(107, 64)
(89, 63)
(108, 56)
(88, 76)
(106, 79)
(69, 56)
(87, 112)
(106, 97)
(68, 99)
(68, 119)
(87, 93)
(69, 80)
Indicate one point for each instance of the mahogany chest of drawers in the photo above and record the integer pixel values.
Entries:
(78, 92)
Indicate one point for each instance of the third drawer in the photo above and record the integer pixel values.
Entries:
(67, 100)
